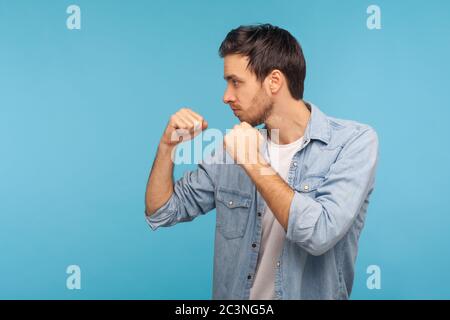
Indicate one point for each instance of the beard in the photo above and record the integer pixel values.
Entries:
(260, 109)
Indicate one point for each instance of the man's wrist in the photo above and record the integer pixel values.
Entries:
(260, 166)
(165, 148)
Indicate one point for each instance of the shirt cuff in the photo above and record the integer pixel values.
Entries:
(161, 216)
(303, 215)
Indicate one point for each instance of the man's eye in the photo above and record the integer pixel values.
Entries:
(235, 83)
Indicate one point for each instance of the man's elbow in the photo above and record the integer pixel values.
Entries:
(316, 249)
(316, 246)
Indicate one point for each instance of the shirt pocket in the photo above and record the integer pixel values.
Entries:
(309, 184)
(233, 209)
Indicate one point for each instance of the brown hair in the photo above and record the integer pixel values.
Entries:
(269, 47)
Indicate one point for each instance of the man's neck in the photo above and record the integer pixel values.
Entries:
(291, 119)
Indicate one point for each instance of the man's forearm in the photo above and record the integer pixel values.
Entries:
(275, 191)
(184, 125)
(160, 182)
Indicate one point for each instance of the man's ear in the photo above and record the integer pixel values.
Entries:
(275, 80)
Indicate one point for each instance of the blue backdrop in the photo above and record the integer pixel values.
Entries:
(81, 113)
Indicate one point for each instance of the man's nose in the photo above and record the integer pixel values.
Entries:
(228, 97)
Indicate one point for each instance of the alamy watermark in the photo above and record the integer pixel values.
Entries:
(73, 281)
(374, 19)
(73, 21)
(207, 147)
(374, 279)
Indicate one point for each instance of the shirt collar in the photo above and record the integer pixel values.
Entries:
(318, 127)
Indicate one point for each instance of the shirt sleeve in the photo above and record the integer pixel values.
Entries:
(193, 195)
(317, 224)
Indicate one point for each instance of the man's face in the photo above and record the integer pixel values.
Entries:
(244, 93)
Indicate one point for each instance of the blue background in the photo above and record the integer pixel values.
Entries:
(81, 113)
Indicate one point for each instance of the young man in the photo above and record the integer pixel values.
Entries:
(288, 223)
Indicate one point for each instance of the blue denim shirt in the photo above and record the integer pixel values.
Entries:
(332, 176)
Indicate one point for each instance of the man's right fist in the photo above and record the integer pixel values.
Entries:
(184, 125)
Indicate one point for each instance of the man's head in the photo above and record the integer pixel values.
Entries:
(262, 63)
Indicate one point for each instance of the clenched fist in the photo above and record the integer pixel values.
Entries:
(243, 144)
(184, 125)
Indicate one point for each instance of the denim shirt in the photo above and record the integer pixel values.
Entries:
(332, 176)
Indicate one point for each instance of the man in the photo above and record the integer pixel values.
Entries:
(289, 221)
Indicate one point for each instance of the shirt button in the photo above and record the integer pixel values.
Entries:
(306, 187)
(249, 276)
(230, 203)
(278, 263)
(254, 245)
(295, 164)
(259, 214)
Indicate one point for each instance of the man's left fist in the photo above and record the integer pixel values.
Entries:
(243, 144)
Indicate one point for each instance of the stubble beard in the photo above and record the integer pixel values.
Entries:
(262, 108)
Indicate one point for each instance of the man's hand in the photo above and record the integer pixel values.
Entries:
(243, 144)
(184, 125)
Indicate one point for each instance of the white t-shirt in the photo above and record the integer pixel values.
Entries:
(273, 234)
